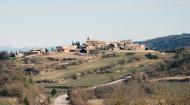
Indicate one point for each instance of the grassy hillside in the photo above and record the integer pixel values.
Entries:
(168, 42)
(68, 74)
(92, 72)
(143, 88)
(174, 66)
(15, 87)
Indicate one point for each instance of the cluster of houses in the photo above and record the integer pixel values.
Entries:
(118, 45)
(91, 45)
(102, 45)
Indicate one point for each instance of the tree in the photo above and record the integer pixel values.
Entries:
(88, 38)
(73, 43)
(46, 50)
(151, 56)
(12, 54)
(4, 55)
(30, 80)
(53, 92)
(78, 44)
(26, 102)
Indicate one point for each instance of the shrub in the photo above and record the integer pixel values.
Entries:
(78, 96)
(129, 53)
(52, 59)
(94, 52)
(75, 76)
(151, 56)
(121, 62)
(26, 102)
(53, 92)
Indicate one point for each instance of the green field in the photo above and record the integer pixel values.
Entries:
(63, 76)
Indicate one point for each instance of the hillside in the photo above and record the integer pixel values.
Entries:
(161, 82)
(168, 42)
(17, 88)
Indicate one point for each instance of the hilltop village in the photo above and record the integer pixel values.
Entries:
(91, 47)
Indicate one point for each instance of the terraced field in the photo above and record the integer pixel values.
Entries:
(85, 74)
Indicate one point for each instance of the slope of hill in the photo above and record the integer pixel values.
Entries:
(168, 42)
(15, 87)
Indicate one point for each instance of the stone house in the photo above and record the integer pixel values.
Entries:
(96, 43)
(129, 45)
(37, 51)
(18, 54)
(67, 48)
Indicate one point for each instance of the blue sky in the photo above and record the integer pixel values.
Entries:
(53, 22)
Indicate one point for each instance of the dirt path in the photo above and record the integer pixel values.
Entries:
(169, 78)
(110, 83)
(61, 100)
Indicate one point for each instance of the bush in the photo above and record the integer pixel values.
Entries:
(53, 92)
(26, 102)
(129, 53)
(151, 56)
(94, 52)
(78, 96)
(52, 59)
(121, 62)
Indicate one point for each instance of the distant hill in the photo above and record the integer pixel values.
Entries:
(24, 49)
(8, 48)
(168, 42)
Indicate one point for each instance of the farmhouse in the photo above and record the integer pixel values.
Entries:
(129, 45)
(91, 45)
(37, 51)
(96, 43)
(18, 54)
(67, 48)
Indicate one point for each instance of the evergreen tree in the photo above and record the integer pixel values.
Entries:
(26, 102)
(73, 43)
(4, 55)
(53, 92)
(78, 44)
(46, 50)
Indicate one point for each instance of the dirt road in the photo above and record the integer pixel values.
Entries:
(110, 83)
(170, 79)
(61, 100)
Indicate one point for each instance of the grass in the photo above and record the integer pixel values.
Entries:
(96, 102)
(95, 79)
(89, 66)
(8, 101)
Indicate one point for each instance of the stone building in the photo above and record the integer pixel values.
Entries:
(67, 48)
(129, 45)
(96, 43)
(37, 51)
(118, 45)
